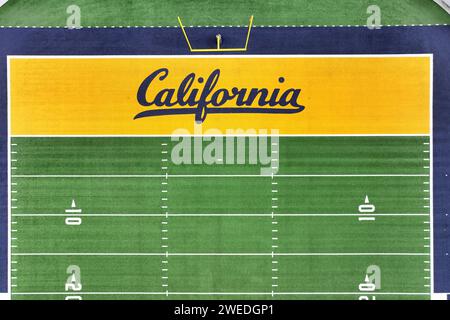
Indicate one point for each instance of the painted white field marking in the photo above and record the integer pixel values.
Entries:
(12, 234)
(217, 135)
(430, 172)
(73, 210)
(274, 246)
(216, 175)
(284, 26)
(218, 254)
(164, 224)
(366, 218)
(227, 293)
(230, 215)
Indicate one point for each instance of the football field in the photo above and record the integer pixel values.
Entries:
(337, 217)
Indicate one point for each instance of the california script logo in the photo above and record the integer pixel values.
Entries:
(209, 99)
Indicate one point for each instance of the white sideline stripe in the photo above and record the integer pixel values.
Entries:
(224, 293)
(221, 254)
(226, 215)
(430, 168)
(218, 175)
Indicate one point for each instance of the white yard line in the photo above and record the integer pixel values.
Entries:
(300, 215)
(220, 176)
(343, 254)
(226, 293)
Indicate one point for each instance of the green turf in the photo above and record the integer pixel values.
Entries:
(350, 296)
(222, 234)
(129, 156)
(193, 274)
(322, 249)
(199, 195)
(229, 12)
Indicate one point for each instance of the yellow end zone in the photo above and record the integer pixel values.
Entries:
(340, 94)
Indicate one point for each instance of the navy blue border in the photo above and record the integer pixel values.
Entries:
(285, 40)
